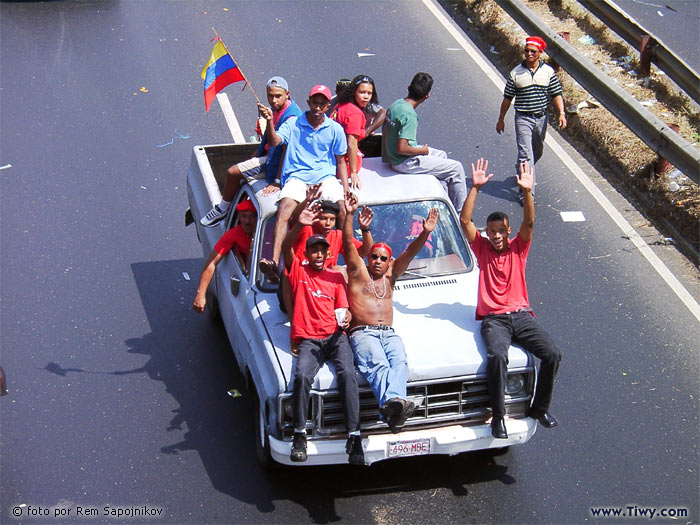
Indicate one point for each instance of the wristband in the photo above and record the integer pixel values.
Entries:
(365, 231)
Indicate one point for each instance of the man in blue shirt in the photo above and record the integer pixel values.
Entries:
(266, 161)
(315, 149)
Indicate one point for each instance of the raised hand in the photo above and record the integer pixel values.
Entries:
(313, 192)
(365, 217)
(310, 213)
(430, 221)
(351, 202)
(479, 177)
(527, 176)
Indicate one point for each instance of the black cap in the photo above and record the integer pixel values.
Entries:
(330, 207)
(316, 239)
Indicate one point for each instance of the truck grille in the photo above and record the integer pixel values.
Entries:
(459, 401)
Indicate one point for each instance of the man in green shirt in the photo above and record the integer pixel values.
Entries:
(401, 148)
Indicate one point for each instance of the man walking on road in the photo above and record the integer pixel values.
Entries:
(532, 83)
(400, 146)
(502, 303)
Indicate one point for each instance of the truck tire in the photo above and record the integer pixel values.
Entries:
(262, 440)
(213, 304)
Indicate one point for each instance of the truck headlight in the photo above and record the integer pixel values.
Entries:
(515, 384)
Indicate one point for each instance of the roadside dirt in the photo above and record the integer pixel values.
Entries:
(670, 200)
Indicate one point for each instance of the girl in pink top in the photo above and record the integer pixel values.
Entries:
(350, 114)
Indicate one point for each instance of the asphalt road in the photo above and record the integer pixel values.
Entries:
(673, 21)
(118, 391)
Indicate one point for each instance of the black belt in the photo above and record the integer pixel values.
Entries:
(526, 309)
(534, 115)
(371, 327)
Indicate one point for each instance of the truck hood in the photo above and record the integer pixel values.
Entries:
(435, 319)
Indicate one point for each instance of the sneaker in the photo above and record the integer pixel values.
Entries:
(298, 447)
(356, 456)
(214, 217)
(397, 421)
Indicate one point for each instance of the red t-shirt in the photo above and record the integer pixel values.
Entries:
(353, 120)
(502, 285)
(335, 237)
(316, 296)
(234, 238)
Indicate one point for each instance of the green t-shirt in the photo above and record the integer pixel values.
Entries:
(401, 123)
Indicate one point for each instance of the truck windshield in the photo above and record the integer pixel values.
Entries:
(398, 224)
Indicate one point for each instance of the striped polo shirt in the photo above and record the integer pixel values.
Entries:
(532, 91)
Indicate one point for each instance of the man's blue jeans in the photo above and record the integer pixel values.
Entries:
(381, 358)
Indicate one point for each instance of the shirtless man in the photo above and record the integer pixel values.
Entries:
(379, 352)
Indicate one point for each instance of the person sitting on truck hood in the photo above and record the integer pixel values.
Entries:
(316, 147)
(379, 352)
(318, 294)
(502, 304)
(237, 239)
(266, 161)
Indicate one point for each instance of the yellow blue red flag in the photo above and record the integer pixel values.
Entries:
(219, 71)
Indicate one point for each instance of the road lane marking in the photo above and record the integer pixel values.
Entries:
(587, 183)
(231, 120)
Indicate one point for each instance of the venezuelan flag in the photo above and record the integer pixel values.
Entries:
(219, 71)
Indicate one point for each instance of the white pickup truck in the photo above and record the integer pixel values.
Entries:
(434, 305)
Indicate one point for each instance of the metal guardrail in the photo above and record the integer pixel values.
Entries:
(632, 32)
(652, 131)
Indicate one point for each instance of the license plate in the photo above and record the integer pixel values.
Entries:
(414, 447)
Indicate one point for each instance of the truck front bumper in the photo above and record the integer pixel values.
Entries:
(445, 440)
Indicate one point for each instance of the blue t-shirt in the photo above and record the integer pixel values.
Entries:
(311, 152)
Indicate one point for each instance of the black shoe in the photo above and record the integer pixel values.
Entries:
(397, 421)
(545, 418)
(392, 407)
(298, 447)
(498, 428)
(353, 446)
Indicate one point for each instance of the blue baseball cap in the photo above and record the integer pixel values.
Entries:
(278, 82)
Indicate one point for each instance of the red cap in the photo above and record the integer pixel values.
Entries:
(537, 42)
(381, 245)
(320, 89)
(246, 205)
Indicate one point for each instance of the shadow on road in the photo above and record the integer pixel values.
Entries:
(190, 355)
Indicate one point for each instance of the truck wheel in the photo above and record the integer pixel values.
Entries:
(262, 441)
(213, 304)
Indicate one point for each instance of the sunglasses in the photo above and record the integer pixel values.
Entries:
(364, 79)
(376, 256)
(531, 51)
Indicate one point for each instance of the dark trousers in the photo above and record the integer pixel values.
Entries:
(312, 354)
(521, 328)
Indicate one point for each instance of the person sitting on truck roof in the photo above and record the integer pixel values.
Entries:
(318, 294)
(238, 240)
(350, 114)
(316, 147)
(502, 303)
(401, 150)
(379, 352)
(265, 162)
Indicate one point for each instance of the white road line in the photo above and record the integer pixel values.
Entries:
(231, 119)
(587, 183)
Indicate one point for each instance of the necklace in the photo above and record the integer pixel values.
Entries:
(375, 290)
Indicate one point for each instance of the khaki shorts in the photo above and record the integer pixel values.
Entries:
(253, 169)
(331, 190)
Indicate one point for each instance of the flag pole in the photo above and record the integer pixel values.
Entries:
(238, 66)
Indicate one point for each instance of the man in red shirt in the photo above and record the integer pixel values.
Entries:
(317, 294)
(502, 304)
(237, 239)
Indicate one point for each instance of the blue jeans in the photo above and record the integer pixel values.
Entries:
(381, 358)
(529, 135)
(498, 331)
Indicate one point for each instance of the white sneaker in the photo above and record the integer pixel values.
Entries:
(214, 217)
